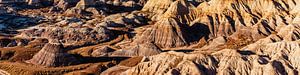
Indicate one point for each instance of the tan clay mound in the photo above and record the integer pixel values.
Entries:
(52, 55)
(166, 33)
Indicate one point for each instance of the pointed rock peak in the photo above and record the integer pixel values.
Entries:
(182, 10)
(85, 3)
(180, 7)
(157, 6)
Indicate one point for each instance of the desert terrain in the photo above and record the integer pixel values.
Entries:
(149, 37)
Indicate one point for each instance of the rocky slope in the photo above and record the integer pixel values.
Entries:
(246, 37)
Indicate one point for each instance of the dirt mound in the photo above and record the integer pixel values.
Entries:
(52, 55)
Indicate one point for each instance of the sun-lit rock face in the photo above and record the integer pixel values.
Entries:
(242, 22)
(156, 8)
(183, 11)
(224, 17)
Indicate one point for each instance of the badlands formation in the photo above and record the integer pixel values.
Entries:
(149, 37)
